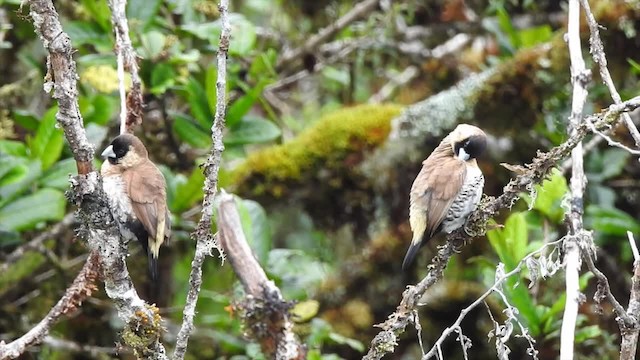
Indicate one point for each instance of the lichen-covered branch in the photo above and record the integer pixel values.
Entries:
(130, 105)
(265, 312)
(533, 173)
(629, 343)
(143, 328)
(580, 77)
(205, 241)
(80, 289)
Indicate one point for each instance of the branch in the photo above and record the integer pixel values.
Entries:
(532, 174)
(36, 242)
(92, 351)
(265, 312)
(597, 51)
(580, 76)
(80, 289)
(126, 59)
(358, 11)
(205, 241)
(629, 342)
(97, 225)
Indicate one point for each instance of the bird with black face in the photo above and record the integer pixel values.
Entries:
(137, 195)
(448, 187)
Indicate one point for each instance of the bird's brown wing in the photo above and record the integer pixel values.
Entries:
(148, 198)
(435, 188)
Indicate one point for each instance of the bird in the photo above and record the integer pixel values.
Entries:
(447, 189)
(137, 195)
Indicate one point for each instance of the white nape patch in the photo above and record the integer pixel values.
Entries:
(462, 155)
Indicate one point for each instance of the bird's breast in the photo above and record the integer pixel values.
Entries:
(466, 200)
(119, 201)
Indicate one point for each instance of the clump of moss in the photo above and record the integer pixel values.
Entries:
(327, 144)
(142, 332)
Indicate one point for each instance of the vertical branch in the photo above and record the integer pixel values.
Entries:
(629, 343)
(131, 105)
(580, 76)
(205, 241)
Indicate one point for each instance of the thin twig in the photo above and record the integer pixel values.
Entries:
(80, 289)
(131, 105)
(205, 241)
(597, 51)
(358, 11)
(70, 346)
(629, 342)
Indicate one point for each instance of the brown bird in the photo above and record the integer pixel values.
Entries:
(448, 187)
(137, 195)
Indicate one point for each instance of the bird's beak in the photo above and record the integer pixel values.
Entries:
(462, 155)
(108, 152)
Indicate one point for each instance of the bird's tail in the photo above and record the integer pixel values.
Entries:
(411, 254)
(153, 265)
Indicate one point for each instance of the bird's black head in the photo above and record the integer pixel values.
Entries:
(473, 146)
(123, 147)
(467, 142)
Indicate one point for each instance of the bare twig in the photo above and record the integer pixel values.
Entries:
(597, 51)
(80, 289)
(131, 105)
(496, 286)
(399, 80)
(534, 173)
(264, 310)
(93, 351)
(580, 77)
(36, 242)
(358, 11)
(97, 225)
(205, 241)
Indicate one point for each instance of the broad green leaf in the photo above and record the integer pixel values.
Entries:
(256, 228)
(507, 27)
(198, 103)
(510, 242)
(48, 141)
(299, 273)
(12, 147)
(241, 107)
(190, 132)
(549, 196)
(188, 192)
(610, 221)
(21, 184)
(252, 130)
(83, 33)
(264, 65)
(26, 119)
(152, 44)
(343, 340)
(587, 332)
(614, 161)
(11, 171)
(244, 36)
(100, 12)
(203, 31)
(635, 66)
(162, 78)
(143, 11)
(27, 211)
(58, 175)
(534, 35)
(100, 110)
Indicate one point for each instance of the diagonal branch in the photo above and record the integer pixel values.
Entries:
(205, 241)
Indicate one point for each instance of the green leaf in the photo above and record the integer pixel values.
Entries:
(299, 272)
(241, 107)
(100, 13)
(264, 65)
(198, 103)
(343, 340)
(505, 25)
(152, 44)
(614, 161)
(549, 196)
(12, 147)
(58, 175)
(510, 242)
(83, 33)
(26, 212)
(587, 332)
(534, 36)
(188, 192)
(22, 181)
(635, 66)
(162, 78)
(256, 228)
(48, 141)
(98, 108)
(244, 38)
(252, 130)
(610, 221)
(190, 132)
(142, 10)
(26, 119)
(12, 171)
(203, 31)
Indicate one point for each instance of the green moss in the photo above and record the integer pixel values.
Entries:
(141, 333)
(325, 144)
(23, 268)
